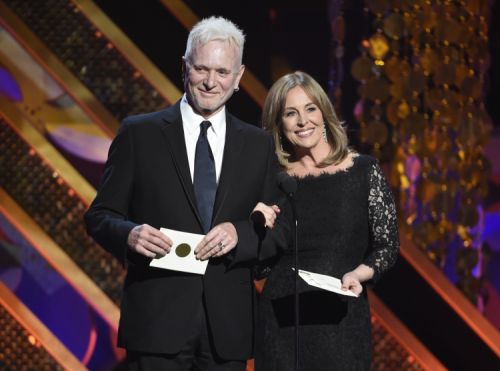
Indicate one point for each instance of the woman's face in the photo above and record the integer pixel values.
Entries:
(302, 121)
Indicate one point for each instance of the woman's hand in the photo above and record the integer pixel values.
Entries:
(352, 280)
(265, 215)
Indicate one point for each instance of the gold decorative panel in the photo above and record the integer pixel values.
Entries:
(44, 195)
(89, 55)
(388, 354)
(421, 75)
(19, 350)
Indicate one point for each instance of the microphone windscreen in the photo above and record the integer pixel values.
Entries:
(287, 183)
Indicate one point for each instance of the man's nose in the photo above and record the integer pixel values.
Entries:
(210, 80)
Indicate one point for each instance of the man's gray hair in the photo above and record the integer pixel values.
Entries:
(215, 28)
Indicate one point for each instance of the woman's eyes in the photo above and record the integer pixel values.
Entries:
(308, 109)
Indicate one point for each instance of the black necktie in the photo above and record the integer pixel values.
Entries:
(205, 184)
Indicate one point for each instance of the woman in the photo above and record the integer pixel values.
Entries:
(347, 228)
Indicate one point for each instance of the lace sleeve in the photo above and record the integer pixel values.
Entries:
(383, 224)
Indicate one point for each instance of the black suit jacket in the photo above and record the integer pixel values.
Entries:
(147, 180)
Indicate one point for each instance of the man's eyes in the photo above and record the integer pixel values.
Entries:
(223, 73)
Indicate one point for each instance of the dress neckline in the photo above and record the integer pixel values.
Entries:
(326, 174)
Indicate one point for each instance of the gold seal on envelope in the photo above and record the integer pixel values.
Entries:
(182, 250)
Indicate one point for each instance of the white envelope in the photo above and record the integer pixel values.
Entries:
(181, 256)
(325, 282)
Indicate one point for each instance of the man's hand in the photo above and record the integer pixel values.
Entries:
(219, 241)
(148, 241)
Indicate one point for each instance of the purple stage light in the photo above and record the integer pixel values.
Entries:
(9, 86)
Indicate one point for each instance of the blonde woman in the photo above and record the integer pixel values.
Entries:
(347, 228)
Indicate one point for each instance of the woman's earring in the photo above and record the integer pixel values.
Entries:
(323, 134)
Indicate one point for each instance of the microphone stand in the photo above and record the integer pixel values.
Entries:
(288, 185)
(290, 197)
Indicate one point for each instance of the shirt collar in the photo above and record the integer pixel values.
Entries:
(191, 120)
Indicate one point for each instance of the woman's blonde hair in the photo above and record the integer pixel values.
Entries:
(273, 112)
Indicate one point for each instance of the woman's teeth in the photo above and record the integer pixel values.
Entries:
(304, 133)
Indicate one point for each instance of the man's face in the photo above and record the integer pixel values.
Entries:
(211, 75)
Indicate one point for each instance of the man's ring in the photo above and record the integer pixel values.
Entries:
(220, 245)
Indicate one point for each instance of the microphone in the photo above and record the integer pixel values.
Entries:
(288, 184)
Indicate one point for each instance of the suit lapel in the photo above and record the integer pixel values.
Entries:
(232, 149)
(174, 135)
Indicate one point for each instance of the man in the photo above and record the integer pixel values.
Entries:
(196, 168)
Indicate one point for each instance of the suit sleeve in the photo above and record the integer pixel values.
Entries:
(107, 218)
(250, 234)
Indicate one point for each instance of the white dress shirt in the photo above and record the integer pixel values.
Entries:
(216, 134)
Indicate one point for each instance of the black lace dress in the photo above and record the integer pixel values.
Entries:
(344, 219)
